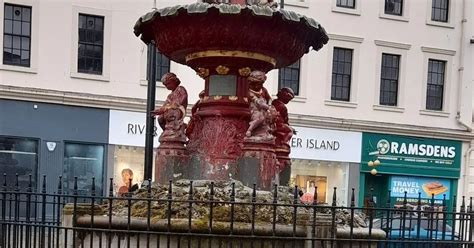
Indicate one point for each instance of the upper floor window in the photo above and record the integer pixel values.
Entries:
(440, 10)
(341, 74)
(162, 65)
(91, 44)
(435, 87)
(394, 7)
(290, 77)
(17, 35)
(346, 3)
(389, 79)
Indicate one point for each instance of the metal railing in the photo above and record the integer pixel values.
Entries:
(222, 214)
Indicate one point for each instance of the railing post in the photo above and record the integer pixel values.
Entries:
(74, 213)
(28, 211)
(43, 213)
(110, 198)
(148, 221)
(333, 219)
(16, 214)
(4, 209)
(92, 213)
(58, 213)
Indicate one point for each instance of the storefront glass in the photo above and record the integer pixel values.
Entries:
(84, 161)
(19, 156)
(325, 175)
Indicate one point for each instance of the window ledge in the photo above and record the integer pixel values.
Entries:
(144, 82)
(348, 11)
(297, 4)
(18, 69)
(340, 104)
(394, 17)
(434, 113)
(90, 77)
(440, 24)
(388, 108)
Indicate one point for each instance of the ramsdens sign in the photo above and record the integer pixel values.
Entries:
(411, 155)
(394, 147)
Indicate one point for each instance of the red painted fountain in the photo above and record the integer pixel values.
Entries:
(236, 130)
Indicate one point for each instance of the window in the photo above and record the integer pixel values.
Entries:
(84, 162)
(435, 88)
(91, 44)
(394, 7)
(162, 65)
(290, 77)
(18, 156)
(389, 79)
(346, 3)
(17, 35)
(341, 74)
(439, 10)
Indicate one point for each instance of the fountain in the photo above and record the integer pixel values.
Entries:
(225, 161)
(234, 132)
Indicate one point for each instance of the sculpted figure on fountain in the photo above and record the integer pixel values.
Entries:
(173, 111)
(283, 131)
(192, 121)
(262, 113)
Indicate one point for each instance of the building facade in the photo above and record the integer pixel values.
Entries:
(391, 67)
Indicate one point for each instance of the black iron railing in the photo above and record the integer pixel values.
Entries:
(222, 214)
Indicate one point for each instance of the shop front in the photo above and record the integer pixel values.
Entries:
(396, 167)
(54, 140)
(127, 148)
(325, 159)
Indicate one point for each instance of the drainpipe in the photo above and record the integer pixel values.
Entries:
(465, 175)
(464, 123)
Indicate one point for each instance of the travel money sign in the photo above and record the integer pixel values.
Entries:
(412, 155)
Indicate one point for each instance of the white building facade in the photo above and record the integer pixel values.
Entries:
(392, 67)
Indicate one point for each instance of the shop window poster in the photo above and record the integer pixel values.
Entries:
(428, 187)
(128, 167)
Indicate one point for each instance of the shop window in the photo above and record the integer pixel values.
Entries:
(17, 35)
(162, 65)
(341, 74)
(435, 87)
(325, 175)
(308, 184)
(290, 77)
(440, 10)
(19, 156)
(91, 44)
(346, 3)
(394, 7)
(128, 164)
(85, 162)
(389, 79)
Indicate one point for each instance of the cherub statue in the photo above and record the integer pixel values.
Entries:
(192, 121)
(173, 111)
(283, 131)
(261, 112)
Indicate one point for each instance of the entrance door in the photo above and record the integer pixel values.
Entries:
(377, 186)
